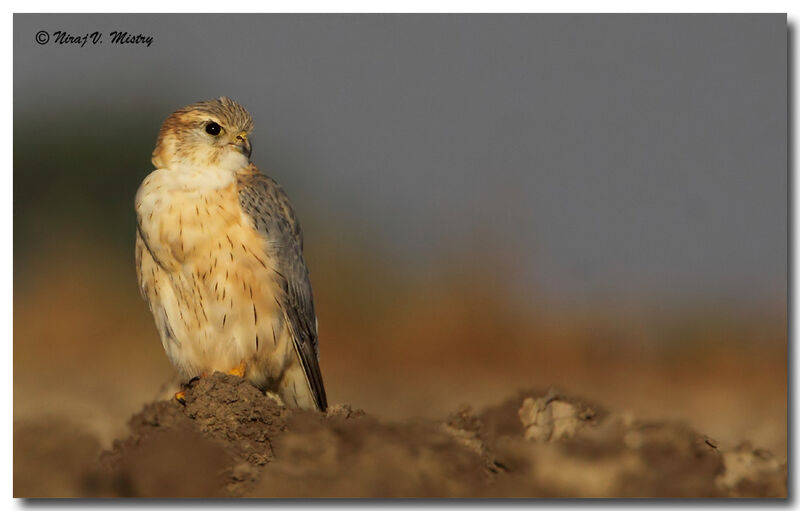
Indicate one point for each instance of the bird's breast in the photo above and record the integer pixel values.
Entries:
(181, 223)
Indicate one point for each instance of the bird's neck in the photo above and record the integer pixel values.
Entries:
(191, 175)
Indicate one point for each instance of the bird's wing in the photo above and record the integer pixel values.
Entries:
(267, 204)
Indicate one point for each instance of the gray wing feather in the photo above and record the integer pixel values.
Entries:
(269, 207)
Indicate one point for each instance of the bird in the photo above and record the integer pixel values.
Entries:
(219, 259)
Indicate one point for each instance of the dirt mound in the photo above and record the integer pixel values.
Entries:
(229, 439)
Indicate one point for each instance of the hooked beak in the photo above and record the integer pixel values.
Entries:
(243, 144)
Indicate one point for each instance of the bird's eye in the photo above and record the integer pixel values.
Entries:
(213, 128)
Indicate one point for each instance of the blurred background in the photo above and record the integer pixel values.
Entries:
(595, 203)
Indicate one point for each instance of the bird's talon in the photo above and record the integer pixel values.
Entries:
(238, 370)
(180, 397)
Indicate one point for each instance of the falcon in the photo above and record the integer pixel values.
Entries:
(219, 259)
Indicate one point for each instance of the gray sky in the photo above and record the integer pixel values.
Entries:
(610, 154)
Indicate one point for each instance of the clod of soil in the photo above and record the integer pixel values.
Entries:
(229, 439)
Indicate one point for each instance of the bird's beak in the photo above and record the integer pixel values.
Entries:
(243, 144)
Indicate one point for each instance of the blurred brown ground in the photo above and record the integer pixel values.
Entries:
(85, 347)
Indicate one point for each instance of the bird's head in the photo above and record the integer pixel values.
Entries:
(207, 134)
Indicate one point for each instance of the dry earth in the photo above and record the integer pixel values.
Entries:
(229, 439)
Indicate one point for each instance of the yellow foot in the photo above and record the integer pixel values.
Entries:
(181, 397)
(238, 370)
